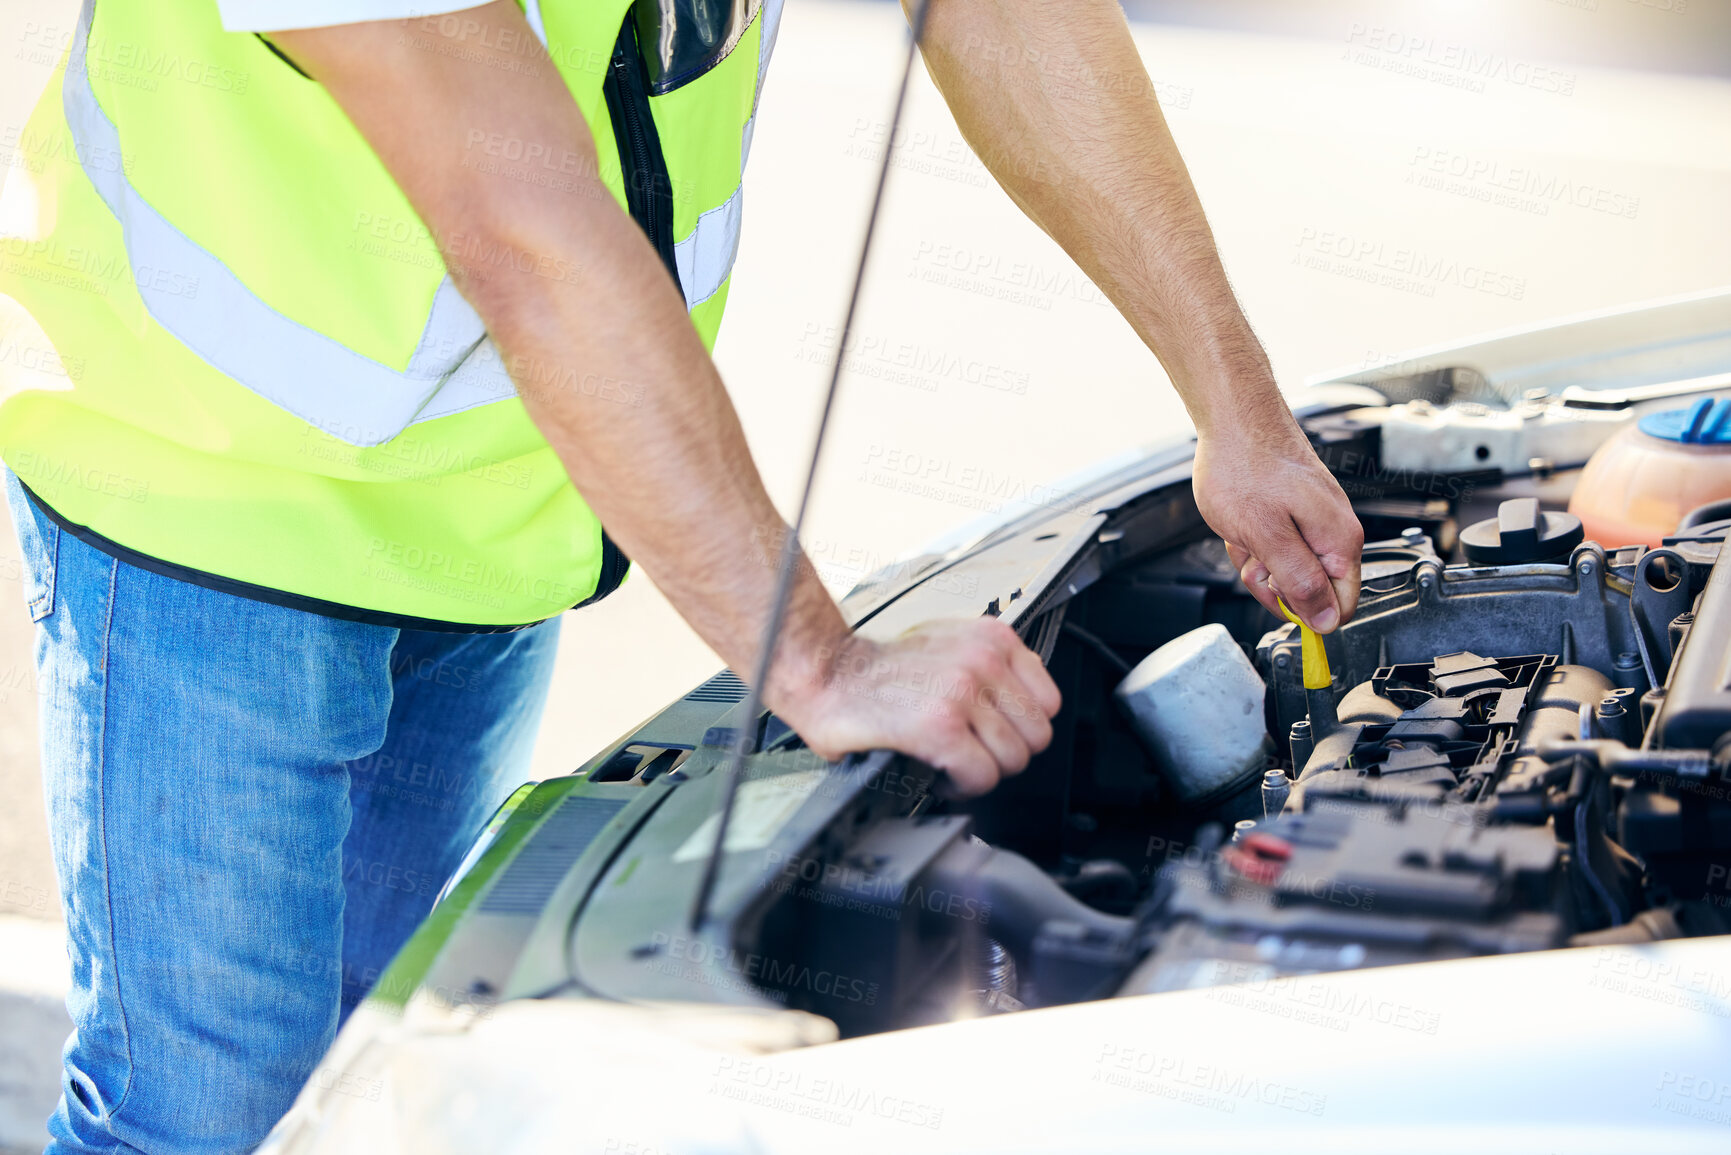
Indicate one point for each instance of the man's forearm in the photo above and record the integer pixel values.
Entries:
(1056, 102)
(662, 461)
(1054, 99)
(668, 474)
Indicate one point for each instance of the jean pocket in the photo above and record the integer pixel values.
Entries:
(39, 545)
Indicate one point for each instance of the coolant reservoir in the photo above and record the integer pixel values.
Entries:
(1640, 483)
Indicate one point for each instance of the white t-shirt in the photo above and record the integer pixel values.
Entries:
(276, 15)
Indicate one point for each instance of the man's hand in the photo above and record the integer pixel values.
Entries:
(965, 696)
(1287, 524)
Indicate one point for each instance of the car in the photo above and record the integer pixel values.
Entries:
(1465, 888)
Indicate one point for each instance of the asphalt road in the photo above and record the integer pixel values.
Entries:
(1365, 203)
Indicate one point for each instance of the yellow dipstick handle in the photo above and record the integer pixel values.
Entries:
(1316, 675)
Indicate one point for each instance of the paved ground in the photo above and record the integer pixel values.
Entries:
(33, 1023)
(1364, 204)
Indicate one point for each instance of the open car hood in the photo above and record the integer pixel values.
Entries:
(1610, 1049)
(1138, 981)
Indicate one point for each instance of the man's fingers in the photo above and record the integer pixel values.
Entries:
(1010, 701)
(972, 768)
(967, 697)
(1254, 575)
(1007, 746)
(1017, 706)
(1346, 593)
(943, 738)
(1297, 575)
(1339, 544)
(1040, 698)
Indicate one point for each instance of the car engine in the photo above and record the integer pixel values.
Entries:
(1519, 751)
(1528, 756)
(1521, 747)
(1521, 741)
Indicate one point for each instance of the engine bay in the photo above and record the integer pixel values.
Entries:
(1517, 756)
(1520, 744)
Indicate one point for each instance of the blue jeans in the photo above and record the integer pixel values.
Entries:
(251, 808)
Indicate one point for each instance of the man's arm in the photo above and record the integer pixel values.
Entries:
(1054, 99)
(671, 478)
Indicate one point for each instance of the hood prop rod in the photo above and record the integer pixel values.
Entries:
(745, 741)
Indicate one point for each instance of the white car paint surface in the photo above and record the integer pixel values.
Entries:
(1605, 1049)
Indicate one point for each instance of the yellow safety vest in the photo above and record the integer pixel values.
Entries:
(279, 391)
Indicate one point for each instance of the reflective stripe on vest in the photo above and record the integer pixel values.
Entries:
(318, 379)
(255, 195)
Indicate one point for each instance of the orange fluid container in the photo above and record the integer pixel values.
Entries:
(1638, 485)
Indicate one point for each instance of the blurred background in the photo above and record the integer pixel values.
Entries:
(1577, 151)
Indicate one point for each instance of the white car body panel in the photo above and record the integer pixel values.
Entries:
(1601, 1050)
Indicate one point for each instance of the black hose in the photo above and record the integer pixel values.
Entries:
(1584, 859)
(1702, 514)
(1098, 645)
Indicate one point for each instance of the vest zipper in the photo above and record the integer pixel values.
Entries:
(648, 189)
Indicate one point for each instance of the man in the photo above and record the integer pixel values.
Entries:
(379, 323)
